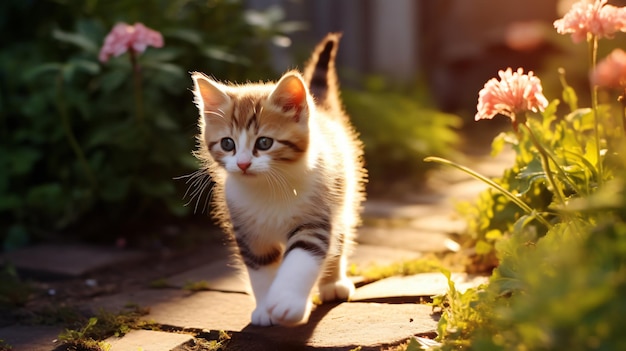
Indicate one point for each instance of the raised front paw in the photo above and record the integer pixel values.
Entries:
(339, 290)
(261, 317)
(288, 309)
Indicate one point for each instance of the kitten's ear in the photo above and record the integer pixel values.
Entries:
(290, 94)
(209, 96)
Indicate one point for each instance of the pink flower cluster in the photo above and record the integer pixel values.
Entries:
(124, 37)
(611, 72)
(515, 92)
(595, 18)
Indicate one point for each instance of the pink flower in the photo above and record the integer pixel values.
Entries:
(611, 72)
(124, 37)
(515, 92)
(597, 18)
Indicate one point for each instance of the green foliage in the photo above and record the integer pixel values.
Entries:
(403, 268)
(221, 344)
(13, 291)
(560, 285)
(194, 286)
(79, 339)
(4, 346)
(96, 145)
(562, 292)
(399, 130)
(105, 324)
(569, 142)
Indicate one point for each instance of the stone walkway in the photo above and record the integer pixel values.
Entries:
(381, 314)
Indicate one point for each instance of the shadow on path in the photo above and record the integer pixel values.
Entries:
(278, 338)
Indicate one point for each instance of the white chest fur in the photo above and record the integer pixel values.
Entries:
(271, 210)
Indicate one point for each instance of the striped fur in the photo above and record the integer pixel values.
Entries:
(292, 207)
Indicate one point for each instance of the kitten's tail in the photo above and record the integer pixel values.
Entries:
(321, 75)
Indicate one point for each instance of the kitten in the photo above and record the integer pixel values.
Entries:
(289, 177)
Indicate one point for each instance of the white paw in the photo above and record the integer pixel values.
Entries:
(288, 308)
(261, 317)
(340, 290)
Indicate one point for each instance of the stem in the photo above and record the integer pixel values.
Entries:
(494, 185)
(71, 138)
(593, 51)
(622, 100)
(137, 89)
(545, 162)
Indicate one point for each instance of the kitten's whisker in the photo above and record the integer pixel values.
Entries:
(206, 200)
(282, 185)
(198, 181)
(206, 182)
(193, 177)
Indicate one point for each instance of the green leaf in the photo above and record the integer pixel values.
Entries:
(45, 68)
(497, 145)
(164, 122)
(188, 35)
(86, 66)
(581, 119)
(75, 39)
(482, 247)
(17, 237)
(161, 55)
(533, 172)
(493, 234)
(570, 98)
(221, 55)
(113, 79)
(414, 345)
(550, 111)
(168, 68)
(22, 160)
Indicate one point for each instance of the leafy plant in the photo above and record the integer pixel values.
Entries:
(105, 324)
(4, 346)
(398, 130)
(559, 280)
(13, 290)
(74, 152)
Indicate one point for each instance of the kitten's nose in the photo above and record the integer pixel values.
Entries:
(243, 165)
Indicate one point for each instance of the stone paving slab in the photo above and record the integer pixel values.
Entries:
(31, 337)
(224, 275)
(211, 310)
(365, 256)
(152, 298)
(411, 288)
(149, 340)
(390, 209)
(68, 261)
(443, 223)
(404, 238)
(342, 326)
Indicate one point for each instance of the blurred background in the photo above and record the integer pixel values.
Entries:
(77, 164)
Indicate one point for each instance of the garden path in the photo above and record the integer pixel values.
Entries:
(381, 314)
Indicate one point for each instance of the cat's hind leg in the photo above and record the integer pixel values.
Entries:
(335, 285)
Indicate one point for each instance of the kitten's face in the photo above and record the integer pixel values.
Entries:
(254, 130)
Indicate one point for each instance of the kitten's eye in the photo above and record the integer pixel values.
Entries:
(228, 144)
(264, 143)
